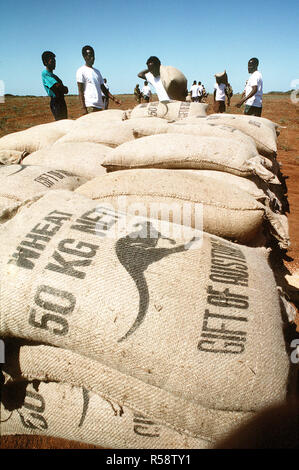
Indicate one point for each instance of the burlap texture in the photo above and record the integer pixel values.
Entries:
(169, 110)
(174, 82)
(111, 133)
(101, 116)
(20, 183)
(228, 212)
(200, 321)
(9, 157)
(75, 413)
(264, 136)
(36, 137)
(182, 151)
(81, 158)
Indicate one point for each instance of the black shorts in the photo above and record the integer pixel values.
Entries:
(253, 110)
(58, 108)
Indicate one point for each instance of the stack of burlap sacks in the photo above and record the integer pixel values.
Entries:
(125, 326)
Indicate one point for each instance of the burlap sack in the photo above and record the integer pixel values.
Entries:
(174, 82)
(142, 128)
(144, 307)
(9, 157)
(36, 137)
(76, 407)
(198, 152)
(101, 116)
(264, 136)
(20, 183)
(111, 133)
(252, 185)
(81, 158)
(169, 110)
(267, 122)
(184, 197)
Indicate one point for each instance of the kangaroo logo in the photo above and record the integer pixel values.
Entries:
(136, 252)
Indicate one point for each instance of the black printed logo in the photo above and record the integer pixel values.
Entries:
(136, 252)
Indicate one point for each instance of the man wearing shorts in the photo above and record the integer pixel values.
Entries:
(91, 84)
(253, 94)
(54, 87)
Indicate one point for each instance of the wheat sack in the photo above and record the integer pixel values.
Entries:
(145, 298)
(21, 183)
(169, 110)
(81, 158)
(111, 133)
(36, 137)
(174, 81)
(72, 411)
(198, 152)
(264, 136)
(186, 197)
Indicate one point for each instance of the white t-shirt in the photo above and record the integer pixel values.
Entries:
(146, 91)
(200, 90)
(220, 91)
(156, 82)
(255, 79)
(92, 80)
(194, 91)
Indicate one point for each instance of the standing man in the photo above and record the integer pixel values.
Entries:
(105, 100)
(54, 87)
(220, 93)
(146, 92)
(152, 75)
(253, 94)
(137, 93)
(194, 92)
(91, 84)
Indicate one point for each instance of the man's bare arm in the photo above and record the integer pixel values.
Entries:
(252, 93)
(59, 89)
(108, 94)
(81, 97)
(142, 74)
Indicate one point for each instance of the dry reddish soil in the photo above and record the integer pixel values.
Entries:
(19, 113)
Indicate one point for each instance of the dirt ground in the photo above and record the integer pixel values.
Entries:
(19, 113)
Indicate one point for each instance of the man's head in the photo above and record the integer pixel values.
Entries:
(145, 83)
(153, 64)
(88, 55)
(199, 83)
(194, 83)
(253, 64)
(49, 60)
(105, 80)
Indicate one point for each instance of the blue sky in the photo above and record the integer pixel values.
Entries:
(199, 38)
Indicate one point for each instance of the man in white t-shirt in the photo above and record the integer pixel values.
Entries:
(152, 75)
(146, 92)
(194, 92)
(91, 84)
(220, 92)
(253, 94)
